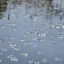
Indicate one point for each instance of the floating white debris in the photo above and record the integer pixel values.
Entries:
(58, 27)
(62, 42)
(10, 56)
(4, 49)
(0, 60)
(41, 40)
(35, 38)
(28, 32)
(62, 26)
(40, 52)
(58, 59)
(34, 19)
(24, 54)
(12, 14)
(51, 42)
(31, 61)
(25, 44)
(12, 45)
(21, 40)
(10, 37)
(35, 46)
(36, 62)
(16, 48)
(13, 28)
(60, 37)
(53, 26)
(14, 59)
(2, 27)
(10, 42)
(44, 60)
(43, 35)
(25, 35)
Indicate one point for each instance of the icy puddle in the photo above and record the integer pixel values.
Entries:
(31, 34)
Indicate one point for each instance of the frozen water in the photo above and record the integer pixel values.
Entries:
(32, 32)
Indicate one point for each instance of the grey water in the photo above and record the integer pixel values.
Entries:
(31, 31)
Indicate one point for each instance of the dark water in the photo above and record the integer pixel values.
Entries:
(32, 32)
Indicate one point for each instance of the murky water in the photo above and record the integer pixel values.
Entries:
(32, 32)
